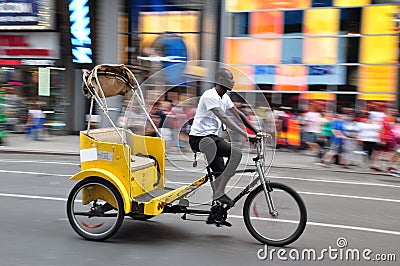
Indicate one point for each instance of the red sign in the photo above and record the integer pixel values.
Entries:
(9, 62)
(30, 45)
(25, 52)
(13, 40)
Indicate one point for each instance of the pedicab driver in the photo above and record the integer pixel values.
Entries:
(207, 123)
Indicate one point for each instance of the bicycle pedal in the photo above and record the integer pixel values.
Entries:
(218, 223)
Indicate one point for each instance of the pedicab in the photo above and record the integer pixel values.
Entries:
(124, 174)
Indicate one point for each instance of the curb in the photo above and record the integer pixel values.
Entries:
(278, 166)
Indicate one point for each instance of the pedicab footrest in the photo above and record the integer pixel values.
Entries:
(154, 201)
(145, 197)
(139, 201)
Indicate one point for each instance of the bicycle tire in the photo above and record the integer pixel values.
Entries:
(95, 228)
(252, 219)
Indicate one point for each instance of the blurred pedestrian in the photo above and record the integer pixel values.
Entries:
(312, 126)
(368, 135)
(34, 122)
(326, 132)
(336, 148)
(350, 143)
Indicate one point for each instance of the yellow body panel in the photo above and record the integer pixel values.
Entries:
(143, 181)
(151, 146)
(113, 164)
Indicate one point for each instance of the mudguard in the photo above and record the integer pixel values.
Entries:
(113, 179)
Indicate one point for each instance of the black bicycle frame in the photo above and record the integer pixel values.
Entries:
(210, 176)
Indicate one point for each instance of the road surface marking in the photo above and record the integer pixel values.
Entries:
(311, 193)
(276, 177)
(309, 179)
(366, 229)
(31, 197)
(36, 162)
(199, 172)
(32, 173)
(358, 228)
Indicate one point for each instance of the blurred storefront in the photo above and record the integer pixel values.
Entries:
(330, 53)
(31, 70)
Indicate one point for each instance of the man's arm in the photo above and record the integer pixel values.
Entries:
(228, 121)
(243, 118)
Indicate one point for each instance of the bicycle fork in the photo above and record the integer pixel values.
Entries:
(267, 189)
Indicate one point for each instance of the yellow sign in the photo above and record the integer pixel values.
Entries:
(379, 20)
(242, 5)
(351, 2)
(321, 22)
(377, 79)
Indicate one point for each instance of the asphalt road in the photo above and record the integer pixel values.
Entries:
(347, 212)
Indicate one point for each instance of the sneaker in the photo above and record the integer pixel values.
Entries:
(394, 173)
(212, 220)
(224, 199)
(321, 163)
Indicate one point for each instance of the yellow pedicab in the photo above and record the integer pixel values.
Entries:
(123, 174)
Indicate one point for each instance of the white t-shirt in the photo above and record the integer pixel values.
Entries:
(313, 122)
(376, 116)
(205, 121)
(35, 113)
(369, 131)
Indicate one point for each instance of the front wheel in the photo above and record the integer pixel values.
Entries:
(281, 227)
(95, 209)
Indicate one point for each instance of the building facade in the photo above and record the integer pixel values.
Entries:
(332, 53)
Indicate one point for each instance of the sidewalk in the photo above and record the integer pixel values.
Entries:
(69, 145)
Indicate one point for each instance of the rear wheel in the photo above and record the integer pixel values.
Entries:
(95, 209)
(282, 227)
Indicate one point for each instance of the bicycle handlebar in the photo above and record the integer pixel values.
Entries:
(262, 135)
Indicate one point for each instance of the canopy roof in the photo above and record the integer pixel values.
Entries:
(108, 80)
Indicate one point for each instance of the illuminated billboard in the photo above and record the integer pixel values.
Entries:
(80, 31)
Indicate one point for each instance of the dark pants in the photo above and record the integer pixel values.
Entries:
(215, 149)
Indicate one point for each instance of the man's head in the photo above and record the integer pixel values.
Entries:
(224, 79)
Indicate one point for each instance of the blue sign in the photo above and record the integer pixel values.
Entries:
(80, 31)
(326, 74)
(264, 74)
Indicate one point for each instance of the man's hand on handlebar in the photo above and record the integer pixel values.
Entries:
(252, 138)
